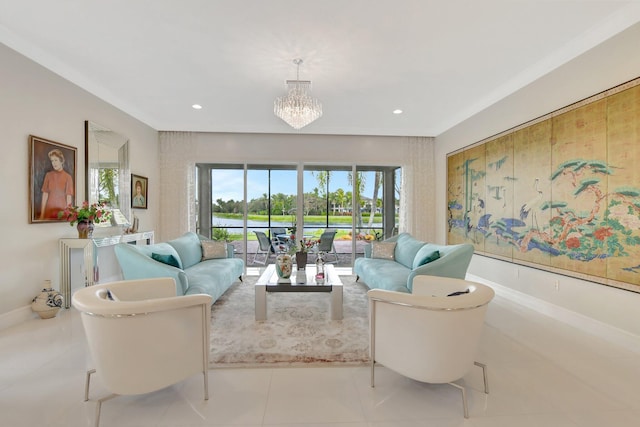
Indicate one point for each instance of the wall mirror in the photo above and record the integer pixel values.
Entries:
(108, 174)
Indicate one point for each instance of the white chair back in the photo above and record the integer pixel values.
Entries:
(431, 335)
(142, 337)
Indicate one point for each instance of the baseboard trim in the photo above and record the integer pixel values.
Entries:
(15, 317)
(584, 323)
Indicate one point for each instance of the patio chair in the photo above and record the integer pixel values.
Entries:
(277, 235)
(265, 246)
(326, 244)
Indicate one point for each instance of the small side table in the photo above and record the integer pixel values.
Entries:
(90, 258)
(65, 265)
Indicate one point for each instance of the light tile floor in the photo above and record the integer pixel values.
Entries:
(541, 373)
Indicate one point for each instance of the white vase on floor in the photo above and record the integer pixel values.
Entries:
(48, 302)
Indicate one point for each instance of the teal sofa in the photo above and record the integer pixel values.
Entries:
(181, 259)
(411, 258)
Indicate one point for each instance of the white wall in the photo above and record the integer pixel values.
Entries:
(613, 63)
(36, 101)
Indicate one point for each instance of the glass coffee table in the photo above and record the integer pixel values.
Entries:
(268, 282)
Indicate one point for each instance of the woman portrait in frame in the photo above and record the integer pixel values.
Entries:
(52, 177)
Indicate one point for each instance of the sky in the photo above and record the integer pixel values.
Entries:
(227, 184)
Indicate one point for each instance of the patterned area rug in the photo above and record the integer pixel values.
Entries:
(298, 329)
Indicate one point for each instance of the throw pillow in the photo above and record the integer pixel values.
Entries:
(429, 258)
(383, 250)
(166, 259)
(212, 249)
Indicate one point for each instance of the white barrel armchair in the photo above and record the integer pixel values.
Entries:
(432, 334)
(142, 337)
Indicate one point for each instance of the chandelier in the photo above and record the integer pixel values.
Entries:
(298, 108)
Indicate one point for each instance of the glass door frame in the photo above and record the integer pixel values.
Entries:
(204, 210)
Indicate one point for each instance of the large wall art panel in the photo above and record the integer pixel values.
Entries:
(561, 193)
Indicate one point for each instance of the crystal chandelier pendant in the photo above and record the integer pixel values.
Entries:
(298, 108)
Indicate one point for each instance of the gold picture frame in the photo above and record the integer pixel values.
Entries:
(52, 179)
(139, 191)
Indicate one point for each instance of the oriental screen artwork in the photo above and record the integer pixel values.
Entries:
(561, 194)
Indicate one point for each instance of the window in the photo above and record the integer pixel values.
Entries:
(235, 201)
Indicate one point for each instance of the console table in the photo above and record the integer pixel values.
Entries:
(90, 258)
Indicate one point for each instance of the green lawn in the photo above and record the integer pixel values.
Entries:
(286, 221)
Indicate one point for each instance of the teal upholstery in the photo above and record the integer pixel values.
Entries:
(412, 258)
(160, 249)
(212, 276)
(426, 254)
(406, 249)
(189, 249)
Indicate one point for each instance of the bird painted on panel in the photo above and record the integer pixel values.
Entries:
(473, 219)
(531, 206)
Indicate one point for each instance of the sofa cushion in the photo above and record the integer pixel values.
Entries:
(212, 249)
(160, 249)
(429, 258)
(382, 274)
(166, 259)
(189, 248)
(406, 249)
(214, 276)
(383, 250)
(428, 253)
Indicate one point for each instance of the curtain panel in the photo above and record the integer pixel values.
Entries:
(417, 198)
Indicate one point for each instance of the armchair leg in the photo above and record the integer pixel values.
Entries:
(206, 384)
(484, 376)
(373, 366)
(99, 406)
(464, 393)
(464, 398)
(86, 384)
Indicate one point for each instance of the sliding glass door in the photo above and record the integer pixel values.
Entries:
(237, 203)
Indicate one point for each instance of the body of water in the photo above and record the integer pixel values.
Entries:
(309, 226)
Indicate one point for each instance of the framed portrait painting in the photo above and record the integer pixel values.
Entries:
(52, 179)
(139, 187)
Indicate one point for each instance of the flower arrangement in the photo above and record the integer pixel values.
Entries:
(306, 244)
(96, 213)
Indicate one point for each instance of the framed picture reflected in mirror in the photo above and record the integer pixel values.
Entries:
(139, 191)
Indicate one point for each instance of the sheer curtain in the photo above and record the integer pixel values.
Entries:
(418, 195)
(177, 183)
(179, 152)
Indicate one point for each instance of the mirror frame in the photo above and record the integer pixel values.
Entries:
(124, 171)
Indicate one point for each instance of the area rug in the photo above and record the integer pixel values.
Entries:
(298, 329)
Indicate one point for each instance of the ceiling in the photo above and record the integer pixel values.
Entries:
(440, 61)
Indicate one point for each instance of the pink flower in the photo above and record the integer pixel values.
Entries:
(96, 212)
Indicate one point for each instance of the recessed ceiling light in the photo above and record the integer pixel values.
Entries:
(397, 111)
(196, 107)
